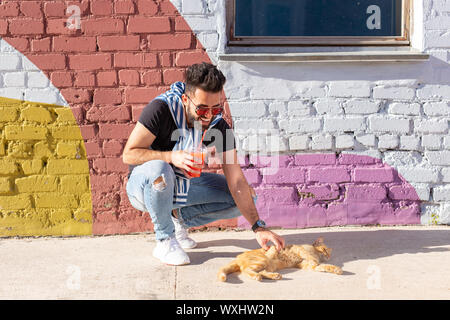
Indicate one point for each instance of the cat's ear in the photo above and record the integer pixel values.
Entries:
(318, 242)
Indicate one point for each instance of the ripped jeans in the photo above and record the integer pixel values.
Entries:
(150, 188)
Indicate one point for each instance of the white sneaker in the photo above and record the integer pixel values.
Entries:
(182, 235)
(169, 252)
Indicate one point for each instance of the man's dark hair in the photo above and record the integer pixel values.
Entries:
(204, 76)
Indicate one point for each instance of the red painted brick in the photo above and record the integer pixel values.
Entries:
(104, 182)
(181, 24)
(124, 7)
(129, 77)
(20, 44)
(58, 27)
(101, 8)
(106, 78)
(166, 59)
(3, 27)
(90, 61)
(108, 113)
(31, 9)
(40, 45)
(73, 95)
(61, 79)
(136, 111)
(78, 112)
(88, 131)
(135, 60)
(167, 8)
(147, 7)
(107, 96)
(93, 149)
(51, 61)
(184, 59)
(74, 44)
(119, 43)
(26, 26)
(112, 148)
(114, 131)
(152, 77)
(9, 9)
(172, 75)
(101, 26)
(148, 25)
(141, 95)
(54, 9)
(84, 79)
(179, 41)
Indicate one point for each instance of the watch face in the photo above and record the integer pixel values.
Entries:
(261, 223)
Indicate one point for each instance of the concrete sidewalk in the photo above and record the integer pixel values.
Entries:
(378, 263)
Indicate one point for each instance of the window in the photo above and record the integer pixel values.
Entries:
(318, 22)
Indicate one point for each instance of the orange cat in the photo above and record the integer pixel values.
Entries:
(260, 263)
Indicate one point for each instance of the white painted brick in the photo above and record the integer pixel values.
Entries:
(254, 143)
(367, 140)
(437, 108)
(278, 109)
(434, 92)
(403, 158)
(438, 158)
(388, 141)
(276, 144)
(310, 89)
(345, 141)
(400, 93)
(200, 24)
(328, 106)
(278, 90)
(421, 175)
(13, 93)
(299, 142)
(441, 193)
(409, 143)
(300, 125)
(438, 23)
(430, 126)
(299, 108)
(423, 191)
(431, 142)
(406, 109)
(37, 80)
(322, 142)
(430, 213)
(349, 89)
(46, 96)
(437, 39)
(258, 126)
(389, 125)
(361, 106)
(248, 109)
(445, 173)
(344, 124)
(208, 40)
(447, 143)
(14, 79)
(9, 62)
(192, 7)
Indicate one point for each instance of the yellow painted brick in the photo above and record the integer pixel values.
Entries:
(38, 183)
(36, 114)
(5, 185)
(55, 200)
(68, 149)
(8, 114)
(31, 166)
(14, 132)
(21, 201)
(66, 166)
(74, 184)
(65, 115)
(42, 149)
(83, 215)
(67, 133)
(86, 201)
(2, 147)
(8, 167)
(20, 150)
(60, 215)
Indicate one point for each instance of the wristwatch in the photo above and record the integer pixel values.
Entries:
(258, 224)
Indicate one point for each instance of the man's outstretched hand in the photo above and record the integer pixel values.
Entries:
(265, 236)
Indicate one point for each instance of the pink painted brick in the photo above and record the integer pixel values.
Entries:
(403, 193)
(374, 175)
(284, 195)
(252, 176)
(403, 215)
(356, 159)
(365, 192)
(270, 161)
(366, 212)
(315, 159)
(316, 216)
(311, 194)
(283, 175)
(329, 175)
(337, 214)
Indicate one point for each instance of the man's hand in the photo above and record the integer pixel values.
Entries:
(184, 160)
(264, 236)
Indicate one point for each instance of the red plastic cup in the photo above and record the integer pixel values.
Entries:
(199, 155)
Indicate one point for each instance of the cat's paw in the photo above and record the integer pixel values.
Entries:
(338, 270)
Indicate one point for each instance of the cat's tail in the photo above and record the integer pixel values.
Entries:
(229, 268)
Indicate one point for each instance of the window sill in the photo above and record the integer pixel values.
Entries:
(355, 56)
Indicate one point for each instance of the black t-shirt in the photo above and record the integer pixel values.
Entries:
(156, 117)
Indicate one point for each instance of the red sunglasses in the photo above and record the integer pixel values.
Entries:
(202, 110)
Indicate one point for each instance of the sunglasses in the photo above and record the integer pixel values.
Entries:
(202, 110)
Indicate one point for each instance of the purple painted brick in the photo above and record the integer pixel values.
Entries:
(252, 175)
(403, 192)
(311, 194)
(374, 174)
(362, 192)
(356, 159)
(315, 159)
(270, 161)
(366, 212)
(285, 195)
(337, 214)
(243, 160)
(316, 216)
(329, 175)
(283, 175)
(403, 215)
